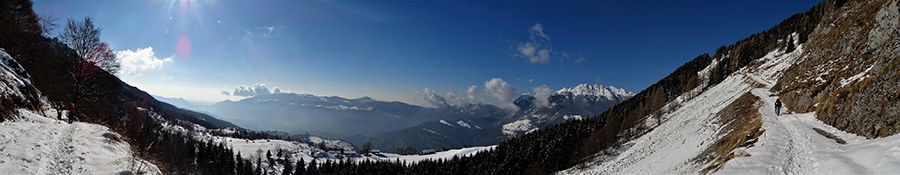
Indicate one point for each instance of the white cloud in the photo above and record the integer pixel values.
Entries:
(580, 59)
(244, 91)
(267, 31)
(432, 98)
(470, 92)
(537, 31)
(261, 89)
(530, 80)
(263, 31)
(136, 63)
(499, 89)
(226, 93)
(276, 90)
(367, 89)
(254, 90)
(541, 93)
(538, 48)
(468, 98)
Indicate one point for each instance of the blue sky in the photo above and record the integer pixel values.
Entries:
(394, 50)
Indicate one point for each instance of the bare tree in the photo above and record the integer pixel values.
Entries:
(367, 148)
(81, 36)
(48, 24)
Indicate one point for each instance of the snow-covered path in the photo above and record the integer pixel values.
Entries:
(790, 145)
(34, 144)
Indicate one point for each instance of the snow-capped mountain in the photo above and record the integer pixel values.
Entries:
(576, 102)
(609, 93)
(496, 124)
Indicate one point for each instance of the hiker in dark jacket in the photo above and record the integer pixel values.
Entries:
(777, 107)
(59, 109)
(72, 113)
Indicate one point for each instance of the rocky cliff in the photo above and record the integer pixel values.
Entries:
(849, 74)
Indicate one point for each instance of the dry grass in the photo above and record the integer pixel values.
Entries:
(743, 126)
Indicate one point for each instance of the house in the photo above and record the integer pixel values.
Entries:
(427, 152)
(351, 154)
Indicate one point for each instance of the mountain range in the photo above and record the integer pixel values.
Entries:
(391, 125)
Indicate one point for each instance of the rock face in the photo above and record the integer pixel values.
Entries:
(849, 75)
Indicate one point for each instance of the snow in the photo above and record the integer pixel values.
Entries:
(791, 146)
(447, 123)
(576, 117)
(439, 155)
(35, 144)
(12, 81)
(253, 149)
(332, 143)
(511, 129)
(860, 76)
(691, 128)
(608, 92)
(433, 132)
(464, 124)
(685, 134)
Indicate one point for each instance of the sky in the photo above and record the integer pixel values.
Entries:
(207, 51)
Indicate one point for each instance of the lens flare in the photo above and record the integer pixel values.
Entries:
(183, 48)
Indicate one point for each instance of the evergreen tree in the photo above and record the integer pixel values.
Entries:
(240, 164)
(280, 153)
(312, 168)
(269, 158)
(258, 166)
(287, 168)
(301, 167)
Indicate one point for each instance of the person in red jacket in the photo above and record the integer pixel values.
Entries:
(72, 113)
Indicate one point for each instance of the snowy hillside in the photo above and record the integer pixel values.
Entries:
(689, 139)
(36, 144)
(16, 89)
(331, 143)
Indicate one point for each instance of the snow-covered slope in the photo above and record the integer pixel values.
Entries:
(36, 144)
(331, 143)
(789, 144)
(16, 90)
(33, 141)
(254, 149)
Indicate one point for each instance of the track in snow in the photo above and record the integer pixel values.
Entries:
(34, 144)
(789, 145)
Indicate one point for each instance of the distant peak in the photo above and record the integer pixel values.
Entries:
(596, 90)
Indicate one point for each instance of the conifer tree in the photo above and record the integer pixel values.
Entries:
(301, 167)
(258, 166)
(287, 168)
(240, 164)
(312, 168)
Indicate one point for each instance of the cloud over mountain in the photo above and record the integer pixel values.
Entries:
(136, 63)
(254, 90)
